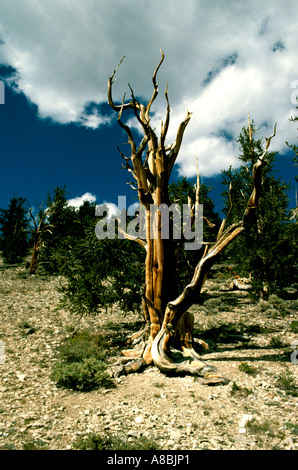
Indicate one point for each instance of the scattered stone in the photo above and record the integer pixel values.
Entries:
(133, 433)
(244, 421)
(175, 435)
(21, 376)
(176, 412)
(139, 419)
(94, 419)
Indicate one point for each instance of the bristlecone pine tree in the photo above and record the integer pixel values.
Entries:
(295, 161)
(167, 339)
(267, 252)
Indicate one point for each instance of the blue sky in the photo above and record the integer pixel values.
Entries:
(220, 62)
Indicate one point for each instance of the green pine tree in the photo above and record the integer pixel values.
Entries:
(295, 161)
(14, 226)
(66, 229)
(99, 273)
(267, 251)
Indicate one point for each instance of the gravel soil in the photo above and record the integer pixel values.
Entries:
(257, 410)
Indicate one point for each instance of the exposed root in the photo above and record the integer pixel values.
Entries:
(135, 352)
(238, 282)
(169, 360)
(139, 335)
(136, 365)
(138, 342)
(183, 362)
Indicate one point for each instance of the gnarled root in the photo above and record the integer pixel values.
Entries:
(186, 361)
(138, 343)
(136, 359)
(169, 360)
(136, 365)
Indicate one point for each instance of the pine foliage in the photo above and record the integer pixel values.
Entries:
(266, 252)
(14, 225)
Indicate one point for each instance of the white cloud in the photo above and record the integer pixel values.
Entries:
(79, 200)
(109, 207)
(221, 61)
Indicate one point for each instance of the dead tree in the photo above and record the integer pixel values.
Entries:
(40, 228)
(167, 339)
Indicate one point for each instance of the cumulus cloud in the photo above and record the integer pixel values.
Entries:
(221, 62)
(78, 201)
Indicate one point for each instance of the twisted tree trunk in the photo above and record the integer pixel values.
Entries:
(167, 339)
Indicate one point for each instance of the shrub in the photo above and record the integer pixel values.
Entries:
(276, 307)
(236, 390)
(81, 365)
(286, 382)
(294, 326)
(276, 342)
(245, 367)
(14, 226)
(83, 345)
(106, 442)
(84, 376)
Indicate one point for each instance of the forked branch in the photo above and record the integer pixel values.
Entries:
(110, 98)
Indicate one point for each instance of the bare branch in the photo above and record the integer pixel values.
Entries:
(139, 111)
(126, 128)
(33, 218)
(257, 181)
(177, 144)
(142, 147)
(224, 221)
(132, 185)
(210, 224)
(165, 127)
(110, 84)
(268, 140)
(132, 237)
(155, 85)
(126, 165)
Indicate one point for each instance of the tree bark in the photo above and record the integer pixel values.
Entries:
(167, 339)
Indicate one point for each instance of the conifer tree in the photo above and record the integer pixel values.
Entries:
(14, 226)
(295, 162)
(267, 251)
(150, 164)
(65, 230)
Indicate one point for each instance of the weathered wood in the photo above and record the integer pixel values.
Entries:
(169, 342)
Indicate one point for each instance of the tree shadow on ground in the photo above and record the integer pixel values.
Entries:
(234, 336)
(273, 357)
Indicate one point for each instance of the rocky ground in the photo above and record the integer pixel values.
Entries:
(257, 410)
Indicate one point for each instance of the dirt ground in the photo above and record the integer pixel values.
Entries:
(248, 342)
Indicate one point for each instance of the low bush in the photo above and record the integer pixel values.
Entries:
(106, 442)
(294, 326)
(277, 307)
(83, 345)
(83, 376)
(287, 383)
(81, 363)
(247, 368)
(276, 342)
